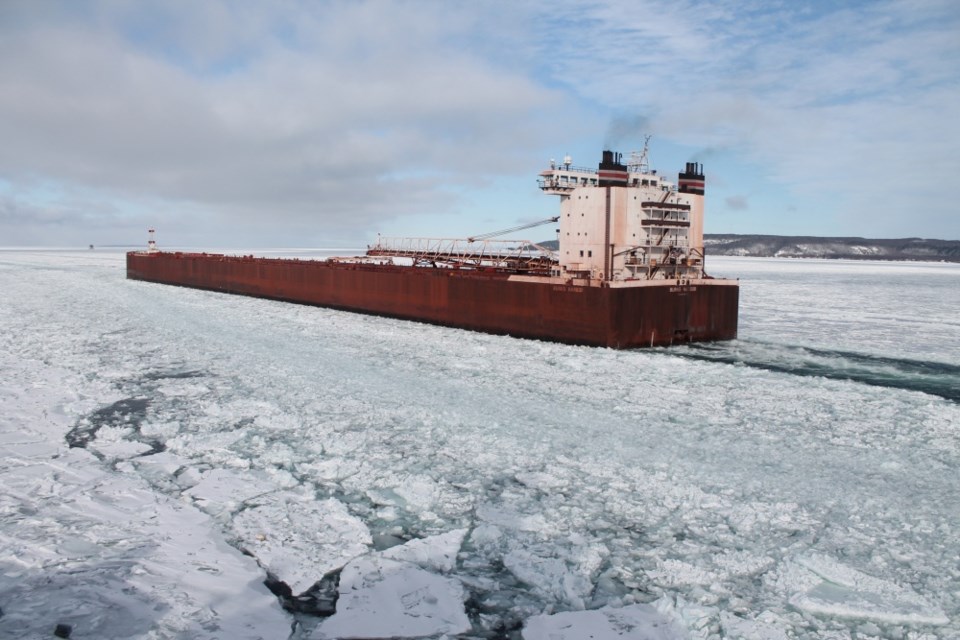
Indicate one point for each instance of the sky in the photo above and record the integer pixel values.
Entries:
(321, 124)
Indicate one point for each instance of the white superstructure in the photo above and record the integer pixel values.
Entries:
(624, 222)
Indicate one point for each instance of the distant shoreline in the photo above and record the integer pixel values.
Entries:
(765, 246)
(842, 248)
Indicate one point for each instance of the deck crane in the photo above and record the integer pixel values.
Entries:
(476, 252)
(494, 234)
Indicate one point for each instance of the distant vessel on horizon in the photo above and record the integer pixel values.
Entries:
(629, 270)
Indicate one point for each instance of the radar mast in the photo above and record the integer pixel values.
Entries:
(640, 160)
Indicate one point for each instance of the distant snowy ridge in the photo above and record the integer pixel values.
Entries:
(728, 244)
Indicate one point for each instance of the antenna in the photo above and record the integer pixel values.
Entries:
(640, 161)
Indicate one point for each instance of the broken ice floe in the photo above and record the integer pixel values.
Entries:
(766, 626)
(832, 589)
(389, 595)
(299, 539)
(633, 622)
(565, 577)
(165, 470)
(220, 492)
(119, 449)
(436, 553)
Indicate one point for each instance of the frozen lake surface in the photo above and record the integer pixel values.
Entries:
(166, 452)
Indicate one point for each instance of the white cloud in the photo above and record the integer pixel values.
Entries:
(315, 121)
(320, 128)
(856, 103)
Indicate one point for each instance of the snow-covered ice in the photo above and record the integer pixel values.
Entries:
(163, 450)
(100, 551)
(391, 595)
(844, 592)
(300, 539)
(632, 622)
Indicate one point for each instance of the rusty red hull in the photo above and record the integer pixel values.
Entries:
(607, 316)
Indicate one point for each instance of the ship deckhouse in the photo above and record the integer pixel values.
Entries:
(623, 222)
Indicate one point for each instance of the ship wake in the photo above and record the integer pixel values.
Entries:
(931, 377)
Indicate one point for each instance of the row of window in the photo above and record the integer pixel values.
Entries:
(664, 215)
(573, 181)
(675, 233)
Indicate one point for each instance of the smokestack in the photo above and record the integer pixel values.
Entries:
(692, 180)
(613, 173)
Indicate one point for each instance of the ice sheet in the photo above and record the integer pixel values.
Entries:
(99, 550)
(511, 479)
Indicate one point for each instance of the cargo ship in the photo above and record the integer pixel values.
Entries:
(628, 269)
